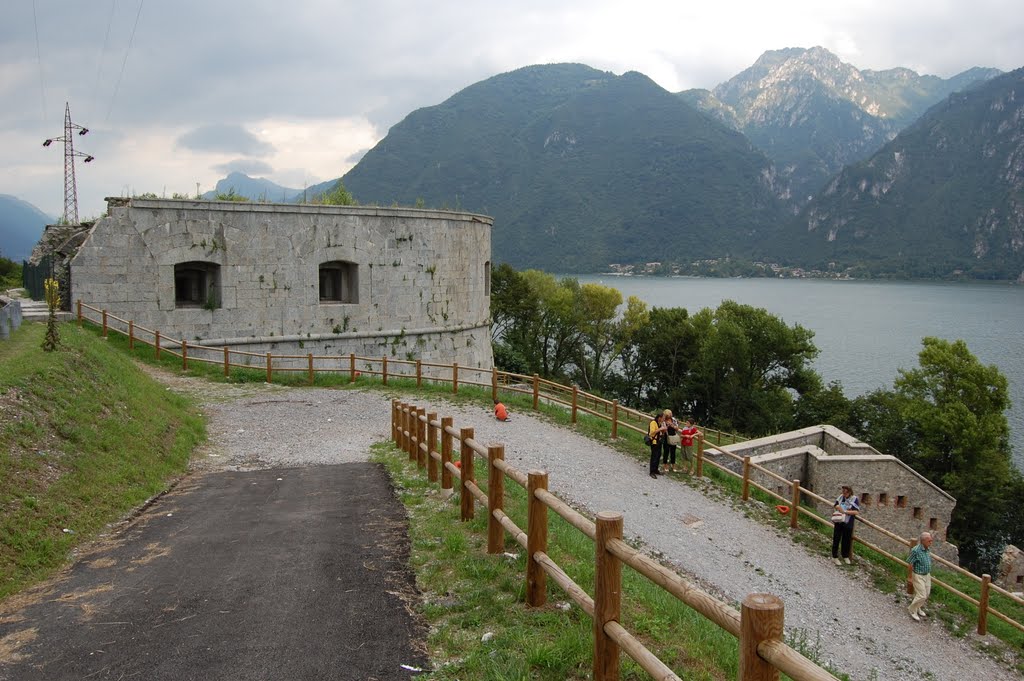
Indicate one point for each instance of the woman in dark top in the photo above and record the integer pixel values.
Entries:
(656, 432)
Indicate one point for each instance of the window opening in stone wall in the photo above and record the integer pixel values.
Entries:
(197, 284)
(883, 499)
(901, 501)
(933, 524)
(917, 512)
(339, 282)
(866, 499)
(487, 278)
(1020, 579)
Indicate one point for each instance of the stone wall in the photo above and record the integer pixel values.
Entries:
(419, 278)
(823, 458)
(1010, 574)
(10, 317)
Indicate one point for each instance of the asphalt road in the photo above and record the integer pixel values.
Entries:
(284, 574)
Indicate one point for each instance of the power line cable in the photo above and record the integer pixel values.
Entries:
(39, 60)
(125, 61)
(103, 50)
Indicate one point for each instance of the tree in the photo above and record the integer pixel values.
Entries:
(957, 408)
(599, 333)
(823, 404)
(515, 309)
(624, 379)
(10, 273)
(336, 196)
(748, 366)
(667, 352)
(231, 195)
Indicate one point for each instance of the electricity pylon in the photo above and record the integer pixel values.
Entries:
(70, 190)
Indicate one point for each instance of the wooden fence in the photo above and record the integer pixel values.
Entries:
(799, 494)
(539, 390)
(431, 441)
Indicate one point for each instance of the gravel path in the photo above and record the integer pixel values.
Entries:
(860, 631)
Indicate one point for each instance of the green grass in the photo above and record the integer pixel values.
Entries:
(468, 593)
(886, 575)
(85, 437)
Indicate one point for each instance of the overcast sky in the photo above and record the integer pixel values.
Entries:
(179, 93)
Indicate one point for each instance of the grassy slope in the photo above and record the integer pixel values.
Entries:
(85, 436)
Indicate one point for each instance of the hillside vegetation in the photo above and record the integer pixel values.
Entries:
(581, 168)
(85, 436)
(944, 196)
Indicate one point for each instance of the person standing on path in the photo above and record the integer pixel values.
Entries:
(687, 433)
(655, 434)
(672, 439)
(921, 576)
(844, 512)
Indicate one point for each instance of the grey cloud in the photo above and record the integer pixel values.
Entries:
(224, 137)
(356, 156)
(248, 166)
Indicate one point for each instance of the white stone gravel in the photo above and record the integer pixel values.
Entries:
(860, 631)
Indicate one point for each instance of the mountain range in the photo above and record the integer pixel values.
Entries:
(21, 225)
(812, 114)
(945, 196)
(800, 159)
(583, 167)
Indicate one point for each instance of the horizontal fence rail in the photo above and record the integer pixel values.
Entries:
(430, 442)
(540, 390)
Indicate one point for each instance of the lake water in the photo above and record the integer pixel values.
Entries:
(867, 330)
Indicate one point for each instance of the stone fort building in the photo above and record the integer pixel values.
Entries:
(294, 279)
(893, 495)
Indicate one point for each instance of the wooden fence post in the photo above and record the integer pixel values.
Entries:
(156, 343)
(700, 456)
(746, 478)
(466, 464)
(455, 378)
(309, 358)
(419, 373)
(794, 508)
(421, 437)
(431, 447)
(536, 391)
(607, 596)
(79, 312)
(384, 370)
(104, 323)
(575, 402)
(446, 452)
(761, 619)
(615, 419)
(536, 539)
(410, 447)
(184, 355)
(270, 369)
(352, 368)
(131, 334)
(495, 499)
(983, 605)
(394, 421)
(227, 362)
(494, 383)
(718, 434)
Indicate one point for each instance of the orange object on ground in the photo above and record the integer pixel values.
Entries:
(782, 509)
